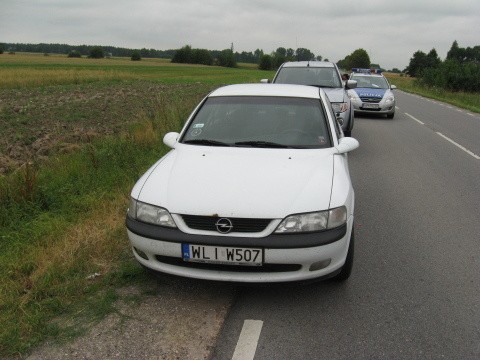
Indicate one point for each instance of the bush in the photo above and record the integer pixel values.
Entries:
(453, 75)
(96, 53)
(136, 56)
(226, 58)
(74, 54)
(266, 63)
(183, 55)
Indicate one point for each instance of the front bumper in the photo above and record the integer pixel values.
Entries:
(383, 107)
(286, 257)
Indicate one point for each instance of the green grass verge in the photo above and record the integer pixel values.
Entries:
(469, 101)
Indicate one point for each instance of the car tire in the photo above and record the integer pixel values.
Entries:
(347, 133)
(390, 116)
(346, 269)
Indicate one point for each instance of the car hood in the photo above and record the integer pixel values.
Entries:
(335, 94)
(371, 93)
(240, 182)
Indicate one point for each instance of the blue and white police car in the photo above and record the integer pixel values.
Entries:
(373, 94)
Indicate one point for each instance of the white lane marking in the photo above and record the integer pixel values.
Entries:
(248, 340)
(414, 118)
(459, 110)
(459, 146)
(396, 107)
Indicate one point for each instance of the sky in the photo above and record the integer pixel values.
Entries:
(390, 31)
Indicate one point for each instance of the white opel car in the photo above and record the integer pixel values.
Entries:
(255, 189)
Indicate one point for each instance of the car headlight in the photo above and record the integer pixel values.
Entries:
(340, 107)
(150, 214)
(353, 95)
(389, 98)
(315, 221)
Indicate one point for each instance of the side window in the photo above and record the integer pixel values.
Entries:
(338, 129)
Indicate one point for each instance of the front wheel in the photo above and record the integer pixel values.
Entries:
(390, 116)
(346, 271)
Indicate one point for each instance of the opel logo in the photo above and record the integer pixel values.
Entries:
(224, 226)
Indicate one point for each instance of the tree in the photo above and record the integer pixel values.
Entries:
(202, 56)
(74, 54)
(432, 59)
(96, 52)
(136, 56)
(359, 58)
(319, 58)
(281, 51)
(226, 58)
(266, 62)
(417, 63)
(304, 55)
(183, 55)
(258, 55)
(1, 49)
(455, 53)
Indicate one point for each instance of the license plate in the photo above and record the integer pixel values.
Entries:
(222, 255)
(370, 106)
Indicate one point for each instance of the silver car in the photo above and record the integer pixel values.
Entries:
(373, 94)
(324, 75)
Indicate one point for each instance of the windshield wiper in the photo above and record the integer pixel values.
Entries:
(206, 142)
(263, 144)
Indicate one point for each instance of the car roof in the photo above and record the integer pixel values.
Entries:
(323, 64)
(280, 90)
(362, 74)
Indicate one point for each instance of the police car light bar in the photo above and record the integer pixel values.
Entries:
(366, 71)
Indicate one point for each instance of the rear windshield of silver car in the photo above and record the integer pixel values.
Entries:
(313, 76)
(259, 121)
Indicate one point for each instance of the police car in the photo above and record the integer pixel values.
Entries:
(373, 94)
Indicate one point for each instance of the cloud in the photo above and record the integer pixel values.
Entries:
(390, 31)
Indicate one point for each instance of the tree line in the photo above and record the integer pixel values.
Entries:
(85, 50)
(460, 71)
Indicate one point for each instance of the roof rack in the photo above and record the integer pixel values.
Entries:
(366, 71)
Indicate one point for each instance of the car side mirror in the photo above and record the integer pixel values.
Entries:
(170, 139)
(351, 84)
(347, 144)
(393, 87)
(265, 81)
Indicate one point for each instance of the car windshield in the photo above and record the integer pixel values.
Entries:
(259, 121)
(314, 76)
(373, 82)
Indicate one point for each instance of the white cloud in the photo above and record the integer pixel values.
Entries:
(390, 31)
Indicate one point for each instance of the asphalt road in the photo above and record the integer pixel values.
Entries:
(415, 288)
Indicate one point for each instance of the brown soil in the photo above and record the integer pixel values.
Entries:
(37, 123)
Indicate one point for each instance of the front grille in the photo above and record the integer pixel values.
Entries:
(242, 225)
(373, 100)
(265, 268)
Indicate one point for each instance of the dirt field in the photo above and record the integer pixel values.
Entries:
(38, 122)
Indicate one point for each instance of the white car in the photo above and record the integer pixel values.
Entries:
(373, 94)
(256, 188)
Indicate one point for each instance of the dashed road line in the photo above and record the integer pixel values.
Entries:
(447, 138)
(414, 118)
(248, 340)
(459, 146)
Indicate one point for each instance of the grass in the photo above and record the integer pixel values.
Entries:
(78, 133)
(62, 212)
(27, 70)
(469, 101)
